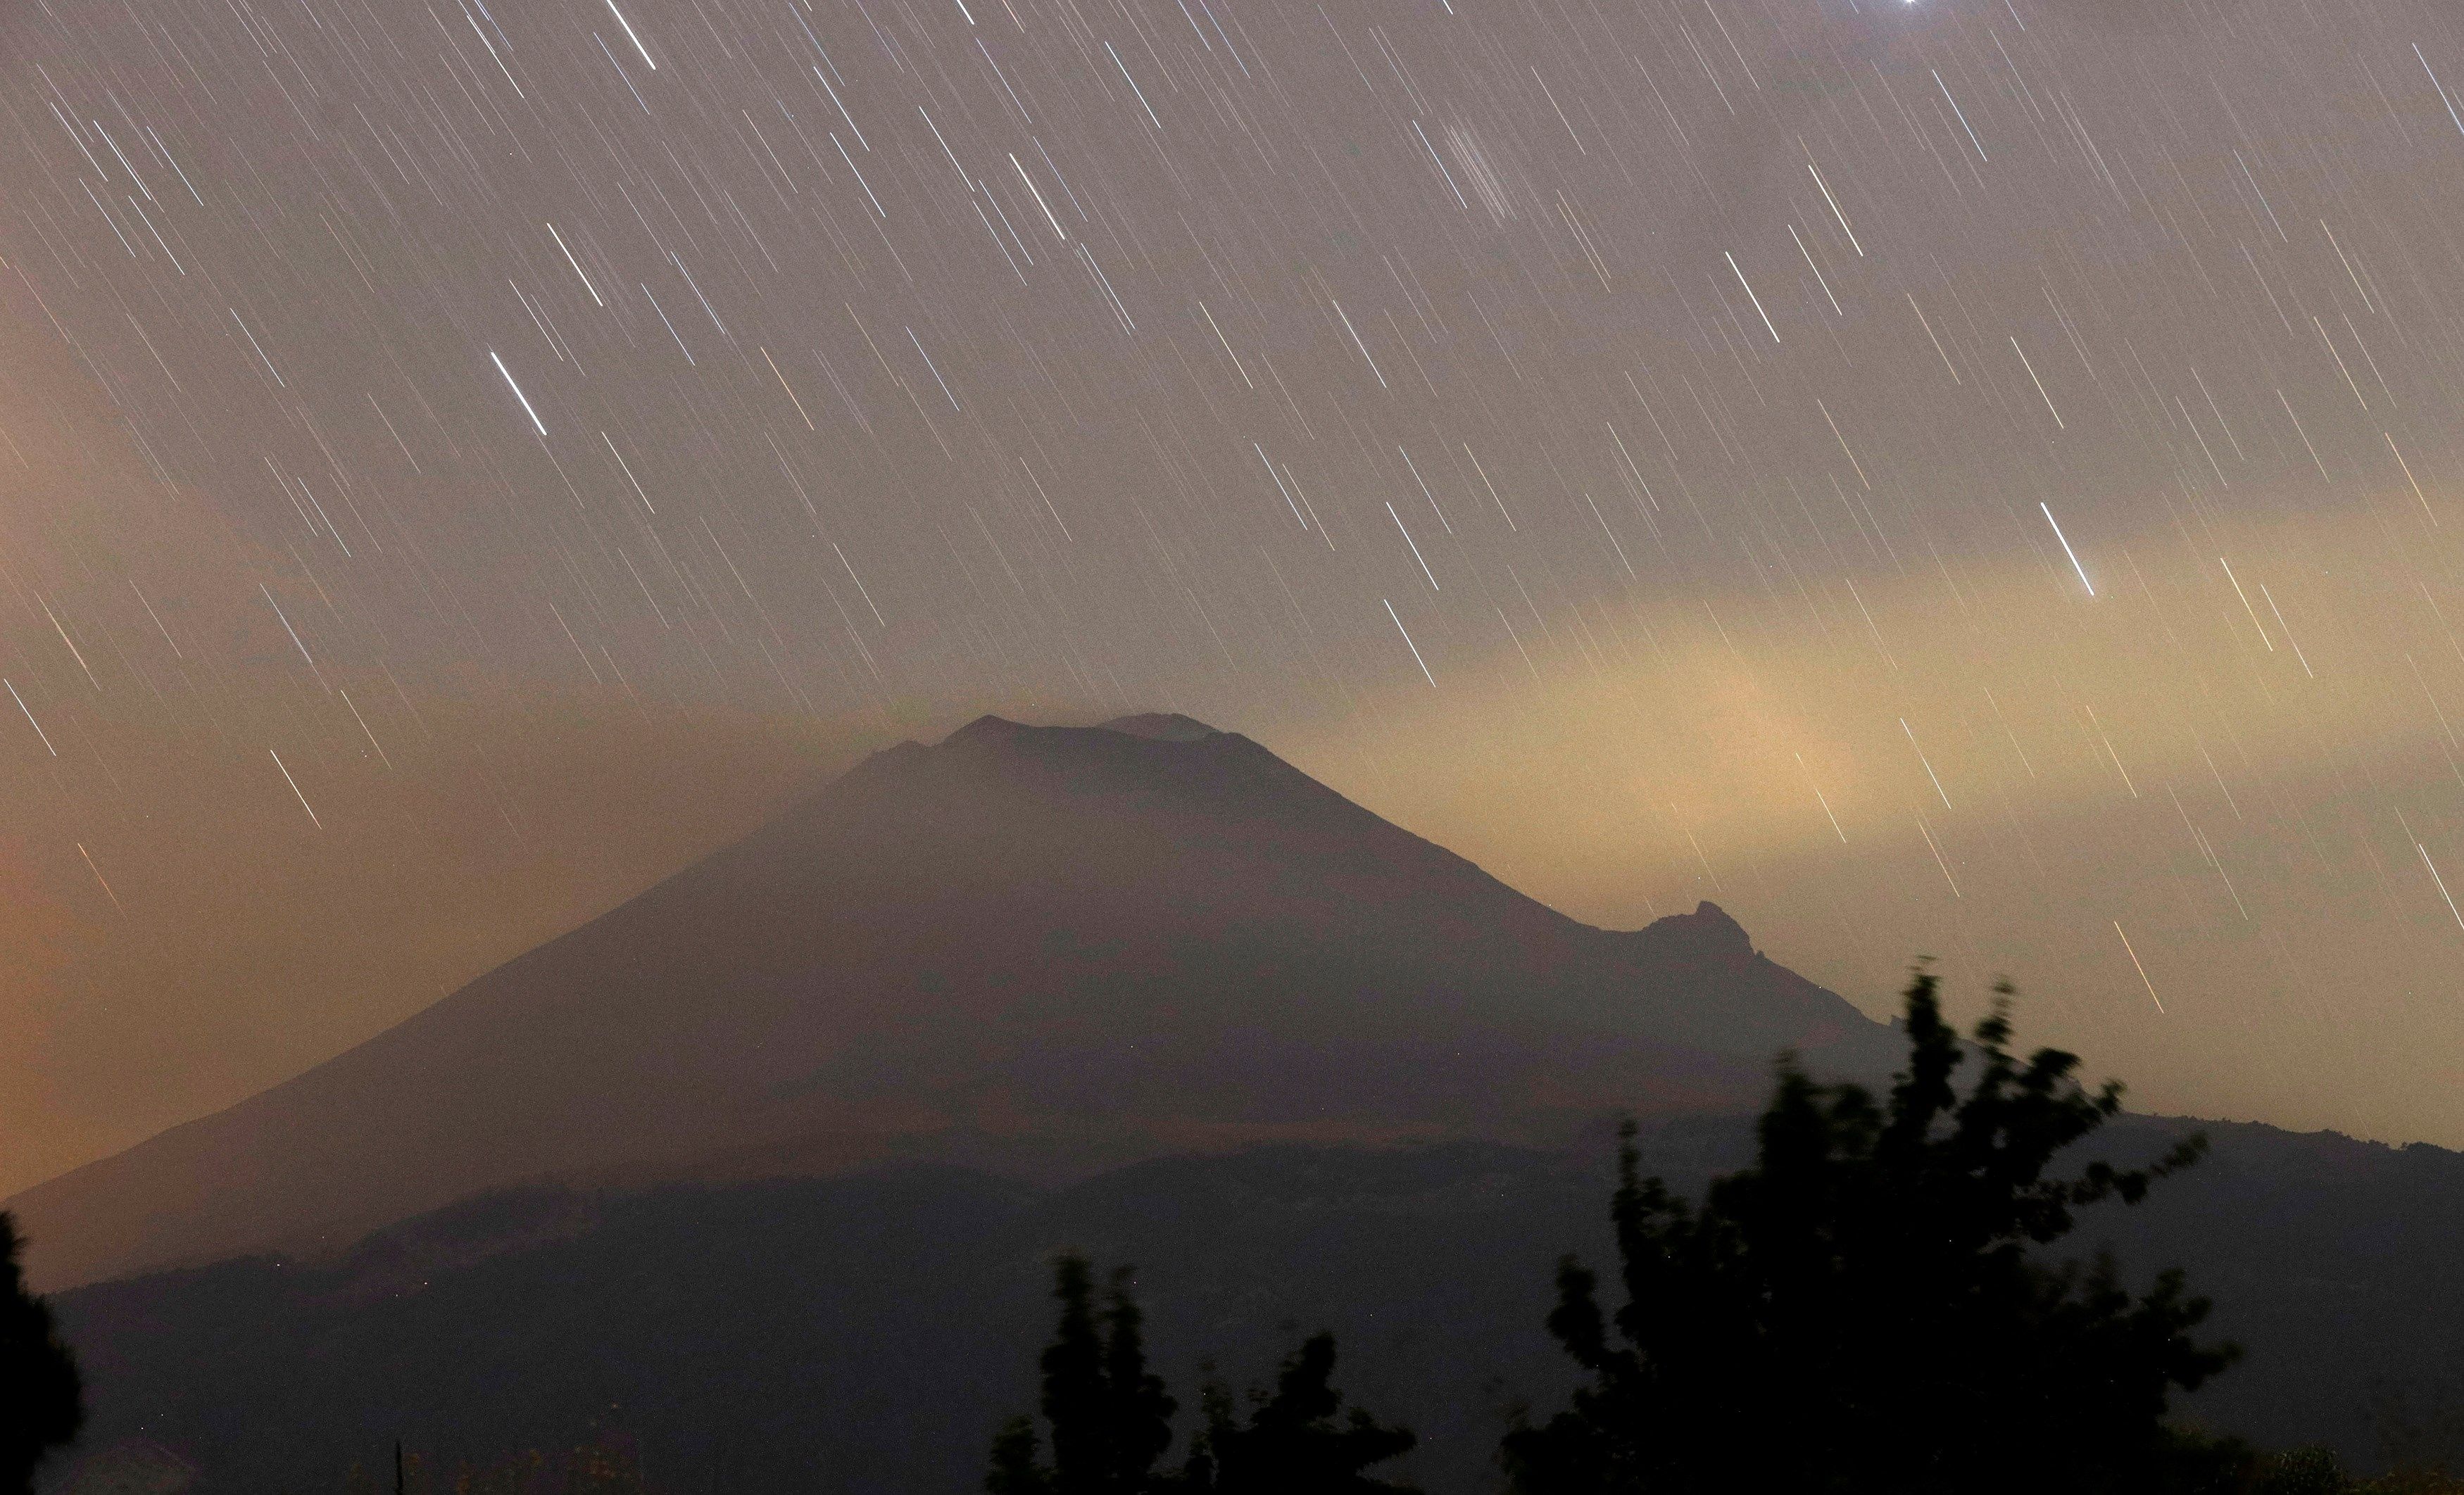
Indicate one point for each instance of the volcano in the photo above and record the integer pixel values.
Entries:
(1041, 950)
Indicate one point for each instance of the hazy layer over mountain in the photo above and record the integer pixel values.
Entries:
(1047, 950)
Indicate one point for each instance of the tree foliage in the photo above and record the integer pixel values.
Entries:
(41, 1400)
(1863, 1311)
(1293, 1443)
(1109, 1419)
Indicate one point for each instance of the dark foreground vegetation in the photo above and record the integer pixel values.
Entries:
(1863, 1312)
(41, 1399)
(1863, 1301)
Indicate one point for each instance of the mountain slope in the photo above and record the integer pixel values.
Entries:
(1047, 950)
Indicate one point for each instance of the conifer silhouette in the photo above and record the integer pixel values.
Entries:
(1861, 1314)
(42, 1401)
(1110, 1419)
(1293, 1445)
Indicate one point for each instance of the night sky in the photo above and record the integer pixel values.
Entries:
(1973, 477)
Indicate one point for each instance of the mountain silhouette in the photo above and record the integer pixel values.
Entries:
(1042, 950)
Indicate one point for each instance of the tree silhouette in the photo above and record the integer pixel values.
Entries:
(1860, 1312)
(1293, 1445)
(1110, 1419)
(42, 1402)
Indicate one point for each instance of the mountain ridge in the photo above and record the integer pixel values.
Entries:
(1045, 950)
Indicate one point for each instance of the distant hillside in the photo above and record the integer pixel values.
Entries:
(864, 1335)
(1044, 951)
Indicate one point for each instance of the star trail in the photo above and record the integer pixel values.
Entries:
(1957, 476)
